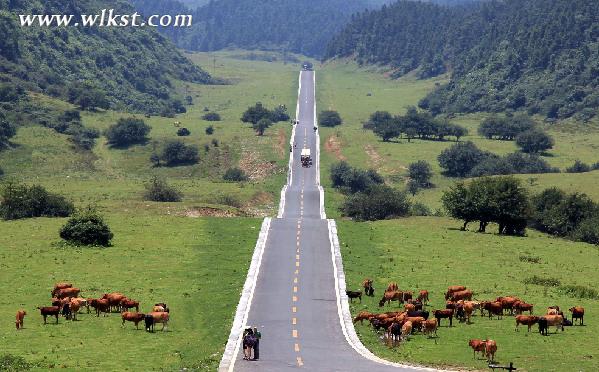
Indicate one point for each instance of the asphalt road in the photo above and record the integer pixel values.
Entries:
(294, 303)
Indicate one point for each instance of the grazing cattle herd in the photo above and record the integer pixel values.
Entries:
(67, 303)
(398, 326)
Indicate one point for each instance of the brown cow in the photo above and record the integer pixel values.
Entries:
(461, 295)
(160, 317)
(363, 315)
(521, 307)
(409, 307)
(555, 320)
(59, 286)
(100, 305)
(74, 307)
(577, 313)
(494, 308)
(423, 296)
(453, 288)
(127, 304)
(527, 320)
(468, 310)
(50, 311)
(68, 292)
(132, 317)
(429, 327)
(508, 303)
(83, 302)
(19, 319)
(406, 330)
(114, 300)
(478, 346)
(417, 321)
(392, 287)
(392, 296)
(444, 314)
(368, 288)
(490, 350)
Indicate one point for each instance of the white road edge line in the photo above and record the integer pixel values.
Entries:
(323, 215)
(345, 318)
(245, 302)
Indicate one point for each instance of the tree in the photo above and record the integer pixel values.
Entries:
(88, 97)
(578, 167)
(378, 203)
(279, 114)
(87, 228)
(255, 113)
(178, 153)
(158, 190)
(420, 172)
(127, 131)
(339, 171)
(534, 141)
(557, 213)
(329, 118)
(211, 116)
(209, 130)
(459, 204)
(461, 158)
(387, 130)
(261, 126)
(183, 132)
(353, 180)
(235, 175)
(377, 118)
(22, 201)
(7, 131)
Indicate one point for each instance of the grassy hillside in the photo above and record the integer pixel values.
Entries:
(431, 253)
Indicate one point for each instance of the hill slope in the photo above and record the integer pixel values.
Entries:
(534, 55)
(133, 66)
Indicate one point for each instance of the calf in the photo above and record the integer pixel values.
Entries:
(409, 307)
(444, 314)
(132, 317)
(418, 305)
(19, 319)
(391, 296)
(164, 307)
(354, 294)
(478, 346)
(577, 313)
(490, 350)
(527, 320)
(469, 307)
(50, 311)
(429, 327)
(74, 308)
(543, 326)
(521, 307)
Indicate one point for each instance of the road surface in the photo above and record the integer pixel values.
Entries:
(294, 302)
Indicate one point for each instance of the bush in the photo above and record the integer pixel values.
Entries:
(235, 175)
(545, 282)
(595, 166)
(580, 291)
(9, 362)
(214, 142)
(421, 173)
(22, 201)
(534, 141)
(209, 130)
(159, 191)
(127, 131)
(182, 132)
(211, 116)
(230, 200)
(419, 209)
(557, 213)
(578, 167)
(279, 114)
(261, 126)
(7, 131)
(353, 180)
(87, 228)
(85, 138)
(516, 163)
(588, 231)
(329, 119)
(177, 153)
(461, 158)
(378, 203)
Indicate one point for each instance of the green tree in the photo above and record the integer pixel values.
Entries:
(235, 175)
(534, 141)
(88, 97)
(178, 153)
(378, 203)
(127, 131)
(7, 131)
(158, 190)
(261, 126)
(329, 118)
(211, 116)
(87, 228)
(461, 158)
(579, 167)
(255, 113)
(421, 173)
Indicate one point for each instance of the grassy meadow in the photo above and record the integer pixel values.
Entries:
(431, 253)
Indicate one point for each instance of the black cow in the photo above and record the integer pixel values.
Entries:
(66, 311)
(417, 313)
(354, 294)
(149, 321)
(543, 327)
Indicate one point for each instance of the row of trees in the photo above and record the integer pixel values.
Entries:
(262, 118)
(520, 128)
(414, 124)
(503, 200)
(465, 159)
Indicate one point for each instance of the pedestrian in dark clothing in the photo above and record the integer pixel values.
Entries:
(248, 343)
(258, 336)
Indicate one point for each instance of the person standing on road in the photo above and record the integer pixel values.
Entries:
(258, 336)
(248, 343)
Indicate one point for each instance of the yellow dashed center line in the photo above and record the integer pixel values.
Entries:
(294, 333)
(296, 348)
(295, 280)
(294, 321)
(300, 362)
(294, 289)
(294, 309)
(294, 298)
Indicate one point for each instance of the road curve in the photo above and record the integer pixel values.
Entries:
(295, 300)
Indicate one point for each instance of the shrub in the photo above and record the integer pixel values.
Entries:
(211, 116)
(85, 138)
(9, 362)
(261, 126)
(534, 141)
(230, 200)
(22, 201)
(353, 180)
(557, 213)
(545, 282)
(209, 130)
(329, 118)
(595, 166)
(578, 167)
(461, 158)
(505, 128)
(338, 173)
(7, 131)
(214, 142)
(419, 209)
(235, 175)
(127, 131)
(1, 172)
(378, 203)
(279, 114)
(530, 259)
(580, 291)
(177, 153)
(87, 228)
(588, 231)
(159, 191)
(182, 132)
(421, 173)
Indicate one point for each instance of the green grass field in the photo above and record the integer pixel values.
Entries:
(431, 253)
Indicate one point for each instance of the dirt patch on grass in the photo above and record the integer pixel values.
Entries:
(375, 158)
(209, 212)
(260, 205)
(254, 167)
(333, 146)
(279, 145)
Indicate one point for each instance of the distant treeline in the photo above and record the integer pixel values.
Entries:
(540, 56)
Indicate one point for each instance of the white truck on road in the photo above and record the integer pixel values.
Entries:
(306, 158)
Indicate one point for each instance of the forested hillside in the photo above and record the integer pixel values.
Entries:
(125, 68)
(541, 56)
(300, 26)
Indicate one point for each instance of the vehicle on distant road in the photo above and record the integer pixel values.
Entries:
(305, 158)
(307, 66)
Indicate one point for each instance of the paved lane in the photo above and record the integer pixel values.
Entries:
(294, 302)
